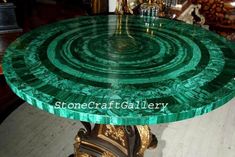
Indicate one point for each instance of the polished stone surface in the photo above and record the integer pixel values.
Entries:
(123, 70)
(29, 132)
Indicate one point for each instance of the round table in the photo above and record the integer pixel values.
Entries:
(122, 73)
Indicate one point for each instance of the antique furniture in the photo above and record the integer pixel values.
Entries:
(182, 10)
(5, 40)
(7, 18)
(220, 15)
(216, 15)
(9, 29)
(95, 6)
(122, 75)
(9, 101)
(152, 9)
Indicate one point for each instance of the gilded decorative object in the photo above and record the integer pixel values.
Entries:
(152, 8)
(145, 138)
(120, 7)
(99, 6)
(116, 133)
(76, 145)
(107, 154)
(127, 6)
(81, 154)
(116, 136)
(132, 4)
(187, 15)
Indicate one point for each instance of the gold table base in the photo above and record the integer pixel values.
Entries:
(113, 141)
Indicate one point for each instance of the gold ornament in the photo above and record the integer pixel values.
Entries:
(107, 154)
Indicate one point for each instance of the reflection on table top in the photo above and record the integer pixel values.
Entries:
(123, 70)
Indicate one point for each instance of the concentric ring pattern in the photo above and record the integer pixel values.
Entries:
(122, 70)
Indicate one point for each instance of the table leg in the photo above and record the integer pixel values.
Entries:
(113, 141)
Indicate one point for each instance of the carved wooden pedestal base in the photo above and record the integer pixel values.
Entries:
(113, 141)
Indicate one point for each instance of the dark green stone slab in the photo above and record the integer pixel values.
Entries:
(124, 70)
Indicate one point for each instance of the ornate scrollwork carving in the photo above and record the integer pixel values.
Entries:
(107, 154)
(187, 17)
(115, 133)
(145, 138)
(120, 137)
(81, 154)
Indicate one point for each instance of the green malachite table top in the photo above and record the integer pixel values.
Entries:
(122, 70)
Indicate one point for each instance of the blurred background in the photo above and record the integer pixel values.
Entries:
(219, 14)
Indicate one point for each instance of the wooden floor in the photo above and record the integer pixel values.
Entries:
(29, 132)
